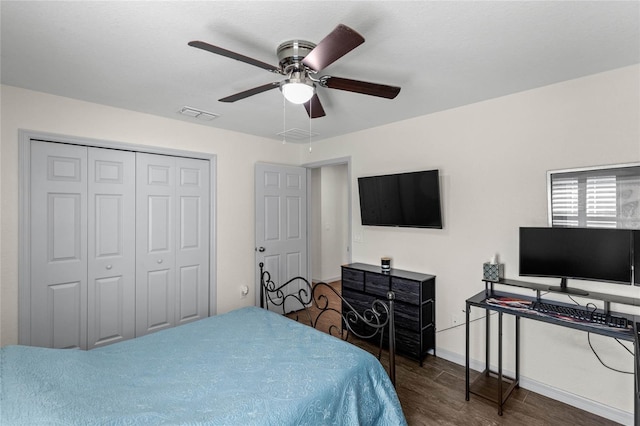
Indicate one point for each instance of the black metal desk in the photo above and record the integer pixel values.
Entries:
(494, 385)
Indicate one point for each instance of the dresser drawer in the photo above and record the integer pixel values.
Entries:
(407, 316)
(352, 279)
(406, 290)
(358, 301)
(409, 290)
(352, 274)
(377, 284)
(353, 285)
(408, 343)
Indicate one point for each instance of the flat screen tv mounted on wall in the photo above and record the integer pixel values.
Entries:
(404, 199)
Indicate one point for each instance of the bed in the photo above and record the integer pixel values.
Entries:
(246, 367)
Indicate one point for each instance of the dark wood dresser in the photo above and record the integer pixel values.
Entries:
(415, 311)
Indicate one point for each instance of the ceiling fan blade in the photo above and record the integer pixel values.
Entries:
(314, 107)
(372, 89)
(233, 55)
(250, 92)
(338, 43)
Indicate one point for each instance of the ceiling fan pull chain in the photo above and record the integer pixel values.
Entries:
(310, 114)
(284, 120)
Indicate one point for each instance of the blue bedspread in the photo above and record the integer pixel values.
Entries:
(246, 367)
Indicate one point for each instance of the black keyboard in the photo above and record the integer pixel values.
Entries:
(580, 314)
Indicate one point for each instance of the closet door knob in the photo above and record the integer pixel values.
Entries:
(159, 260)
(109, 266)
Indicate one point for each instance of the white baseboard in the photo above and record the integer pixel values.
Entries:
(597, 408)
(327, 280)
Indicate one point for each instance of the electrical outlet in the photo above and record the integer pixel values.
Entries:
(456, 319)
(244, 291)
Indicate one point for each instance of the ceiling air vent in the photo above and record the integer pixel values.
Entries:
(198, 113)
(297, 135)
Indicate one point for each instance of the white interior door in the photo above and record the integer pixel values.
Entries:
(281, 222)
(58, 245)
(111, 247)
(192, 251)
(172, 227)
(155, 243)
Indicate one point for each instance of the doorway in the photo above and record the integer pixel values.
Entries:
(329, 226)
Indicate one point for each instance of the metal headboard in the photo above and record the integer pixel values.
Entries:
(310, 299)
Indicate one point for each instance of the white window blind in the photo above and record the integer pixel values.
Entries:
(601, 205)
(565, 202)
(606, 197)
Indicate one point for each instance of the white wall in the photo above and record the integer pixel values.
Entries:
(236, 155)
(493, 157)
(315, 224)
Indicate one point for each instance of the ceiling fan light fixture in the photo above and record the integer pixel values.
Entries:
(297, 90)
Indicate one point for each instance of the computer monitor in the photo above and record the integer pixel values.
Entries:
(594, 254)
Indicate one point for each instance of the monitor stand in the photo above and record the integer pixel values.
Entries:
(564, 289)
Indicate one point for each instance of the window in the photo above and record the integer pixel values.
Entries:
(602, 197)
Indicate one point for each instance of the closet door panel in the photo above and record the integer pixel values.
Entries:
(189, 284)
(192, 251)
(111, 233)
(58, 245)
(106, 311)
(66, 309)
(159, 235)
(155, 243)
(159, 293)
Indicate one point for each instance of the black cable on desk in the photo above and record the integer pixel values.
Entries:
(602, 362)
(593, 349)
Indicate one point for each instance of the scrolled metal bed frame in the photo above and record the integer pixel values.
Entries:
(366, 324)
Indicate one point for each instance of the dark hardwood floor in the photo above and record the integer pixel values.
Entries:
(434, 394)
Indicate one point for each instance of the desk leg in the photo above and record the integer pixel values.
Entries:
(500, 400)
(517, 351)
(467, 312)
(487, 342)
(636, 375)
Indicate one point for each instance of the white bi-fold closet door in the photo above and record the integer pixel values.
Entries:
(172, 241)
(119, 244)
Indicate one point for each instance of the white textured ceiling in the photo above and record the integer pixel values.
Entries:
(443, 54)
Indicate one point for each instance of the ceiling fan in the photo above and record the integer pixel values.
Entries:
(300, 61)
